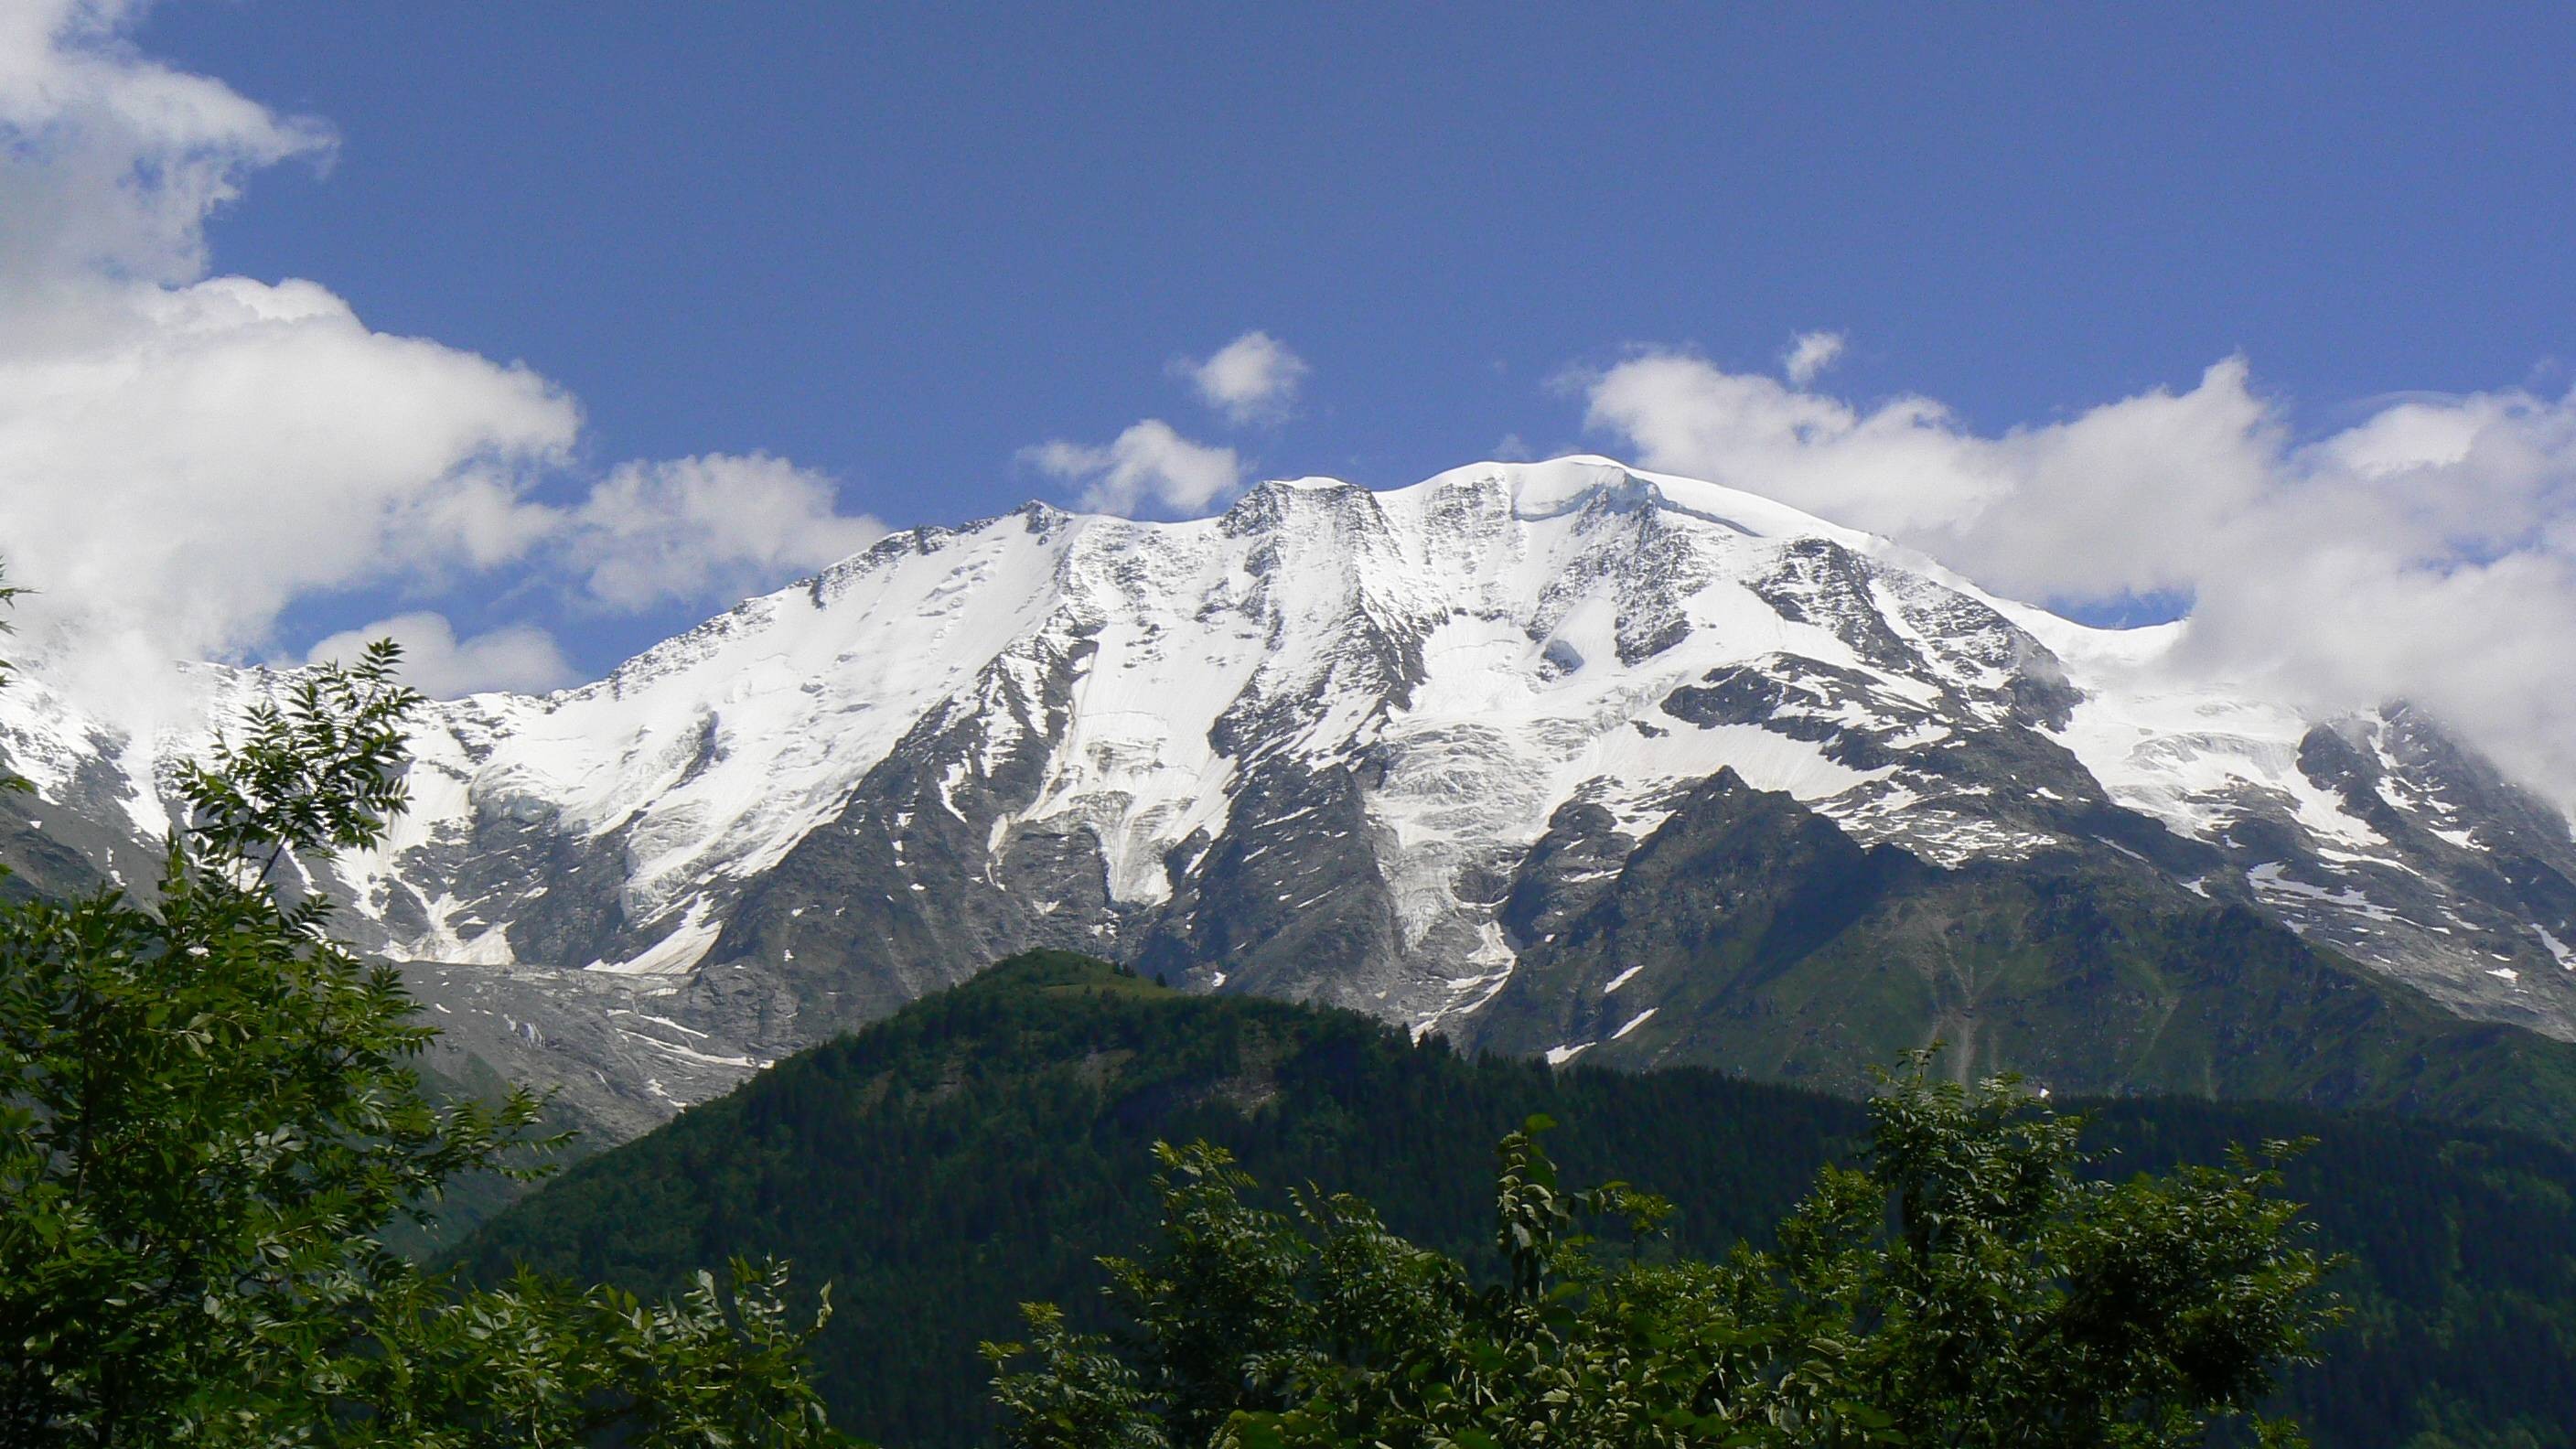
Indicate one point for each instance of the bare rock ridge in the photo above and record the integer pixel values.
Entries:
(1559, 758)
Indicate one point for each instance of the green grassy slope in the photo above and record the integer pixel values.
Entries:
(1777, 947)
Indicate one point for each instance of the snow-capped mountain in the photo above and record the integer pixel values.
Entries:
(1402, 751)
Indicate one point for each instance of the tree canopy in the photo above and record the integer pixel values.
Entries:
(1968, 1285)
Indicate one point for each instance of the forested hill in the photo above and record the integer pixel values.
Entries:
(982, 1146)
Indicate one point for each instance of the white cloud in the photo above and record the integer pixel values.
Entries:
(1809, 354)
(112, 162)
(1252, 379)
(181, 457)
(2427, 553)
(1149, 467)
(208, 454)
(184, 456)
(516, 657)
(692, 528)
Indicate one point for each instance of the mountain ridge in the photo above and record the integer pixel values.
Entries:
(1316, 746)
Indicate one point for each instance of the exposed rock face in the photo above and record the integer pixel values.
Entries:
(1458, 754)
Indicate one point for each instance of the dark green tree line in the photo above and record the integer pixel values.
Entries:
(1968, 1286)
(985, 1145)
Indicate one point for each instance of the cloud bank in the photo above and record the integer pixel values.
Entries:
(2427, 553)
(182, 455)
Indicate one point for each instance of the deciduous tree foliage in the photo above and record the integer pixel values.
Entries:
(1968, 1286)
(209, 1116)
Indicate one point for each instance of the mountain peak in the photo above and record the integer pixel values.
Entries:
(1378, 748)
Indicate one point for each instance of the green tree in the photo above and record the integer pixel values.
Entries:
(209, 1116)
(1967, 1286)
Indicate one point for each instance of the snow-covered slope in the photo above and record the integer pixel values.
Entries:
(1309, 747)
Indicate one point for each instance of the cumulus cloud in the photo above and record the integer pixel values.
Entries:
(206, 455)
(2426, 553)
(182, 455)
(517, 657)
(1149, 467)
(113, 161)
(1253, 379)
(689, 528)
(1809, 354)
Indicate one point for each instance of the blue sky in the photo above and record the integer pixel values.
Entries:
(895, 252)
(899, 243)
